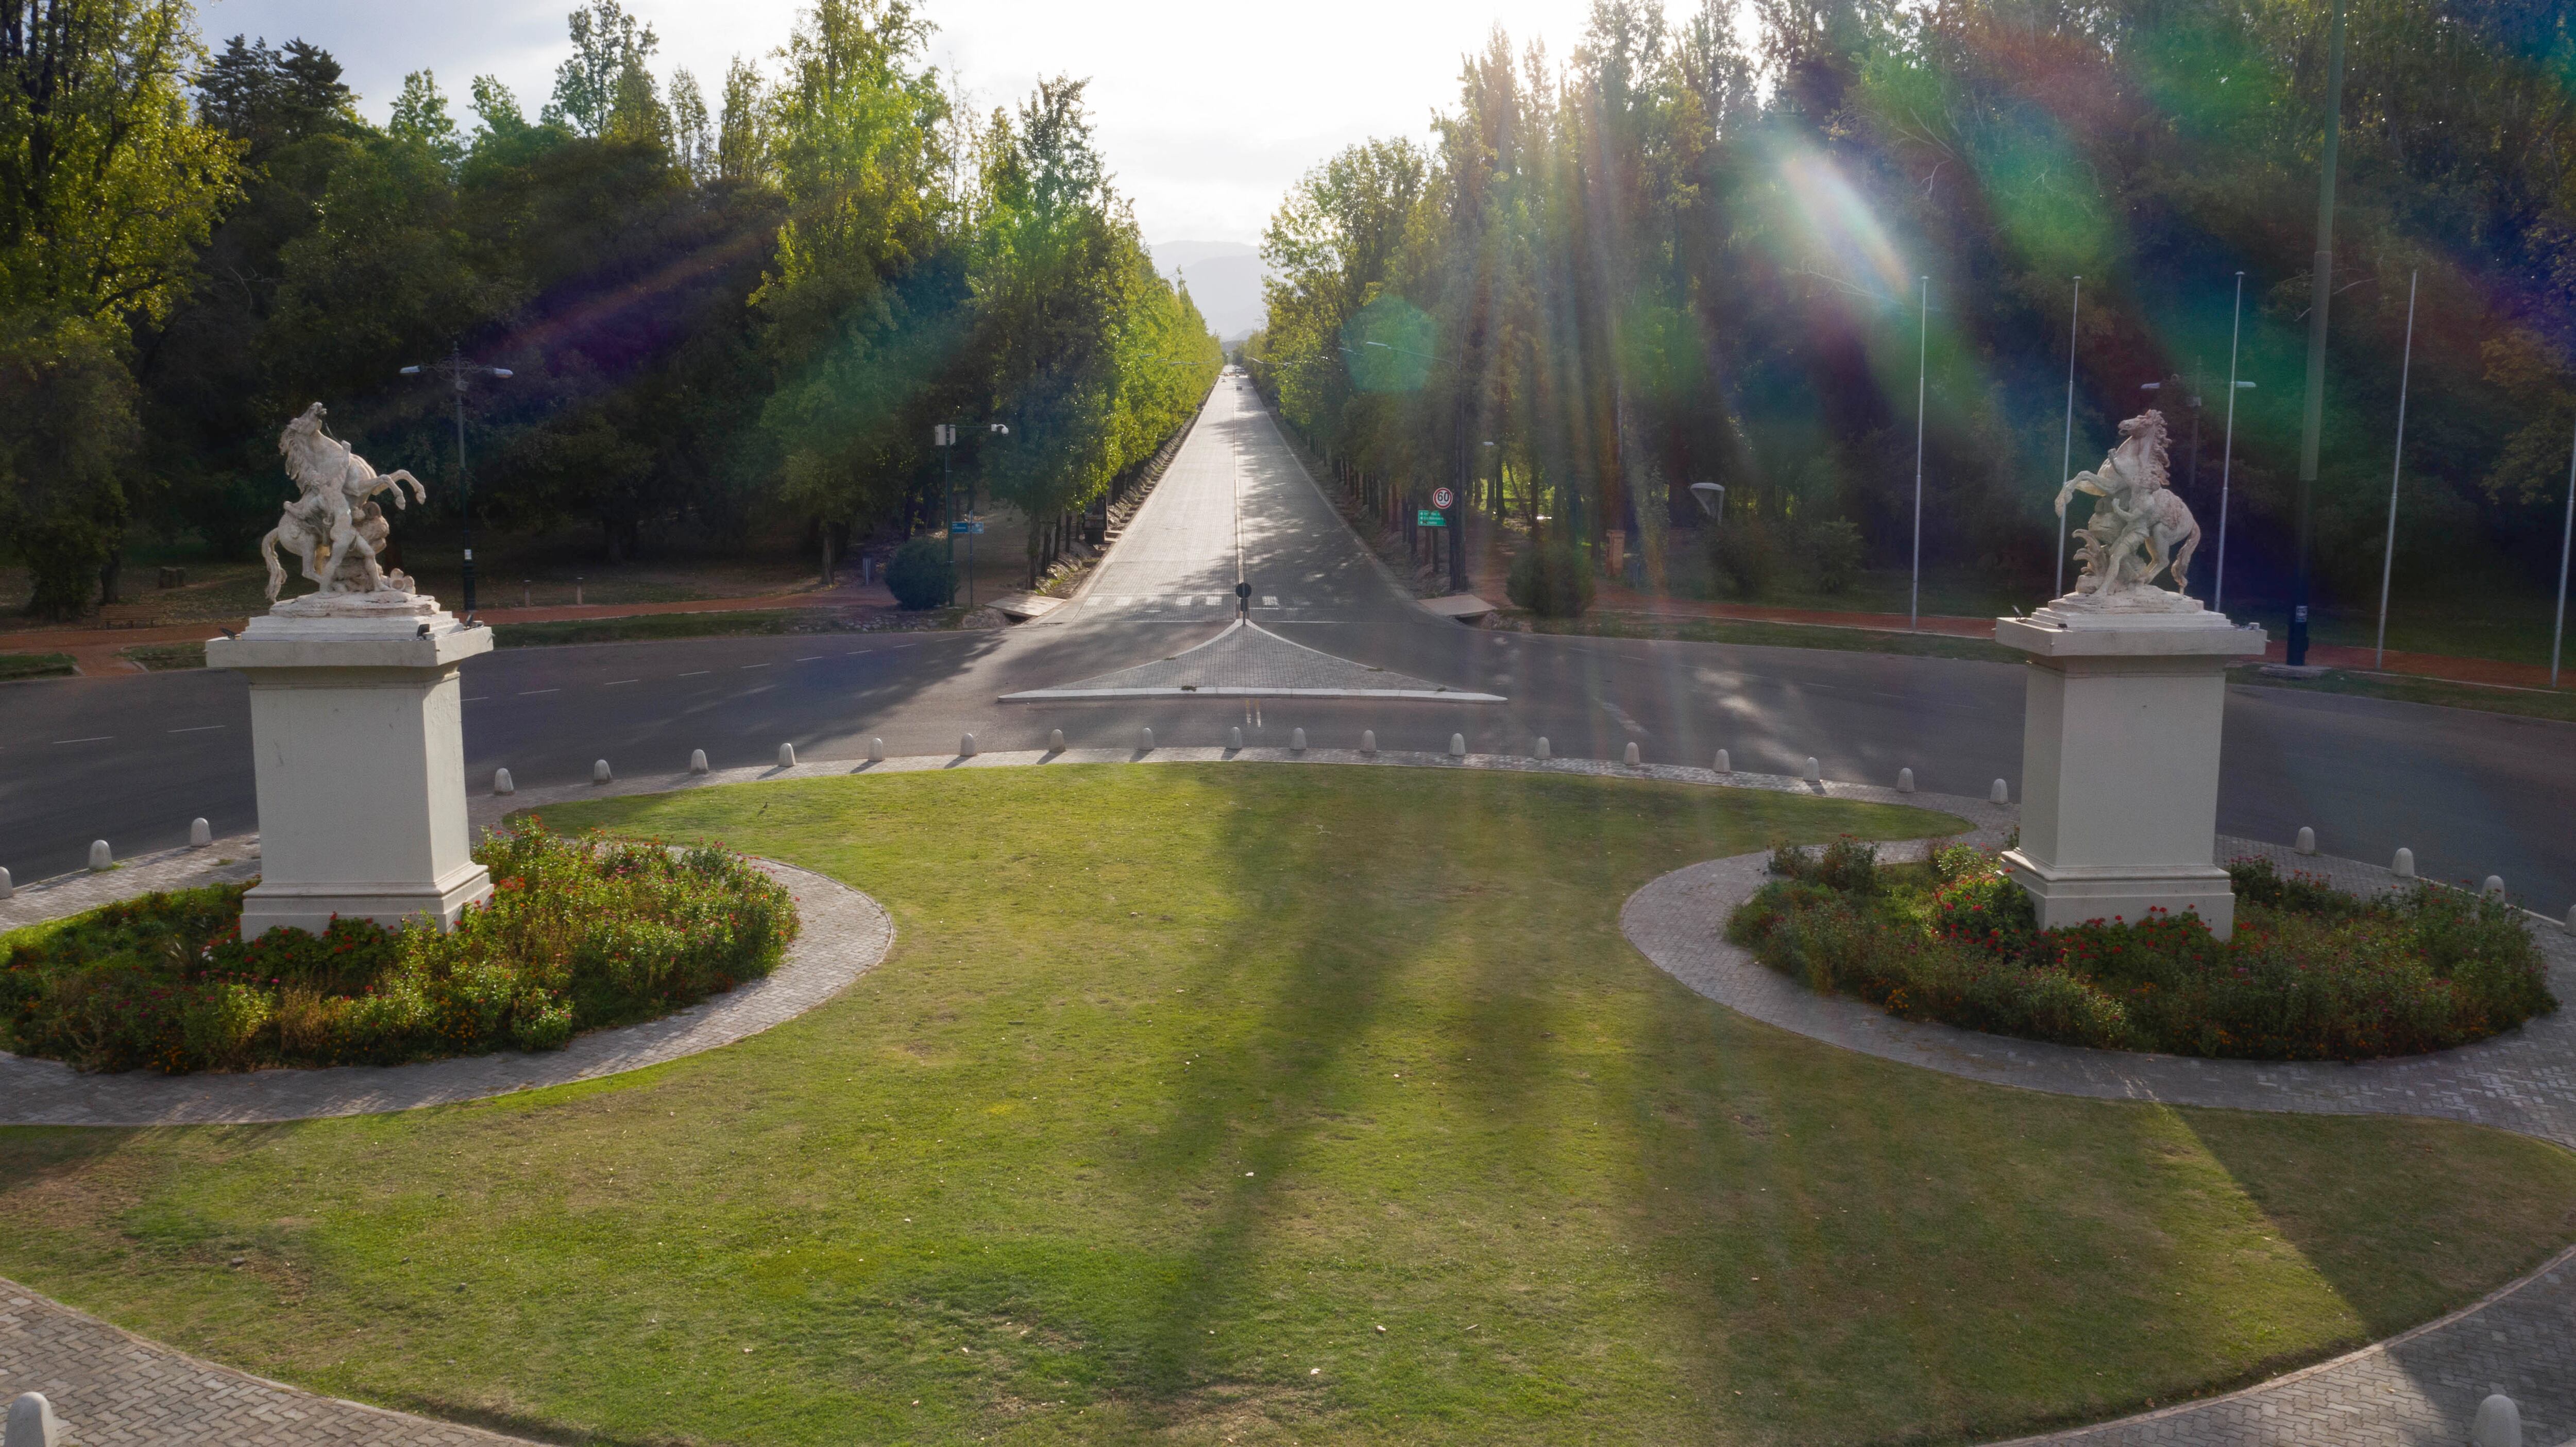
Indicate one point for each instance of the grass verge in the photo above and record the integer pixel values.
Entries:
(2441, 693)
(1604, 623)
(1272, 1105)
(34, 665)
(161, 657)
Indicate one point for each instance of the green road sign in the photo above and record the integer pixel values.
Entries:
(1429, 519)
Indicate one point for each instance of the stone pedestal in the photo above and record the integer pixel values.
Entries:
(2120, 757)
(357, 728)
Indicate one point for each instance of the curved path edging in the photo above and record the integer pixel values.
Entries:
(843, 934)
(2420, 1388)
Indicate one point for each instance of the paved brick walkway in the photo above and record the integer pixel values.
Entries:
(114, 1389)
(2417, 1390)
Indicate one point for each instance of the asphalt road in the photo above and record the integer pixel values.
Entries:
(133, 759)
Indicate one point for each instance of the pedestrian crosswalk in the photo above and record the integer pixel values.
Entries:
(1188, 600)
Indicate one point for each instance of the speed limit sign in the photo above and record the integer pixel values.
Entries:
(1443, 499)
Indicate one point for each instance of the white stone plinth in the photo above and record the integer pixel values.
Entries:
(357, 730)
(2120, 758)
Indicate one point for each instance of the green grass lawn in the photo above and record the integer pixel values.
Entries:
(34, 665)
(1220, 1103)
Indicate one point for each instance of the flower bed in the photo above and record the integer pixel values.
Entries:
(579, 934)
(2311, 973)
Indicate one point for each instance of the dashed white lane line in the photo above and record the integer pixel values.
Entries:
(755, 665)
(479, 698)
(811, 658)
(93, 739)
(532, 692)
(199, 729)
(621, 683)
(697, 673)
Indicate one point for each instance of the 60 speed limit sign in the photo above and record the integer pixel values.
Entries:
(1443, 499)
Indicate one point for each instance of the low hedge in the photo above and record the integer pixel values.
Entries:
(2310, 973)
(579, 934)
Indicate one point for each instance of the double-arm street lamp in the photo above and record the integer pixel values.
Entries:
(456, 370)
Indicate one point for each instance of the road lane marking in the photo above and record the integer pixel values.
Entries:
(478, 698)
(755, 665)
(533, 692)
(811, 658)
(93, 739)
(1268, 601)
(201, 728)
(700, 673)
(621, 683)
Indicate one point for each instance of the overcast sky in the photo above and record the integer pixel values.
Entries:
(1206, 112)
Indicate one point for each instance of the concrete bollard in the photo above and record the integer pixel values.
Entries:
(1815, 771)
(966, 746)
(502, 783)
(100, 856)
(2001, 793)
(1297, 741)
(599, 773)
(1055, 741)
(1368, 741)
(1905, 781)
(8, 886)
(32, 1423)
(200, 834)
(1632, 758)
(1234, 737)
(1725, 765)
(1457, 746)
(876, 751)
(2307, 840)
(2498, 1423)
(1144, 741)
(2403, 866)
(2492, 889)
(787, 756)
(1542, 752)
(697, 761)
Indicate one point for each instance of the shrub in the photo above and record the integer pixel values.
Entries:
(579, 934)
(1552, 580)
(1743, 555)
(1834, 549)
(921, 576)
(2310, 972)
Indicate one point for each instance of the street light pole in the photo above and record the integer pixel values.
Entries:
(2396, 466)
(2566, 539)
(455, 370)
(2227, 449)
(1922, 360)
(2066, 449)
(2320, 292)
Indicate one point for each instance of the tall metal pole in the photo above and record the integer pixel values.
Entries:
(2320, 292)
(464, 475)
(2066, 451)
(2566, 537)
(2227, 450)
(1922, 357)
(2397, 465)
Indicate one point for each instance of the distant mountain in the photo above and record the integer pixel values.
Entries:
(1224, 278)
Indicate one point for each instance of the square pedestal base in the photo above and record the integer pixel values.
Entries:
(310, 907)
(2063, 896)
